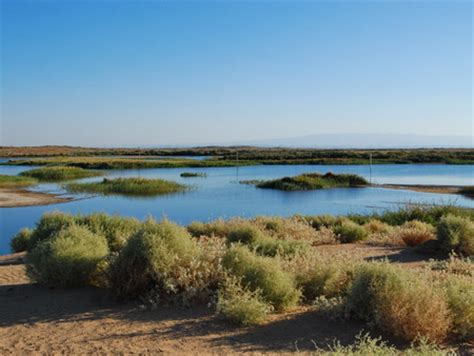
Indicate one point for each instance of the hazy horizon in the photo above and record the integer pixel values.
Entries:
(185, 73)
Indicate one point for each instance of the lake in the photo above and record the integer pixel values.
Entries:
(219, 195)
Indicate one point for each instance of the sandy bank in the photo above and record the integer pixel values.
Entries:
(15, 197)
(439, 189)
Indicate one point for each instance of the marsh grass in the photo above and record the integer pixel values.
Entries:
(128, 186)
(59, 173)
(312, 181)
(7, 181)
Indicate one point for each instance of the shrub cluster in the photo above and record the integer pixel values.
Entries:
(456, 233)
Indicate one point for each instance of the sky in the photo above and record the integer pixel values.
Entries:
(141, 73)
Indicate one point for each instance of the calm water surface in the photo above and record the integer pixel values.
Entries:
(220, 194)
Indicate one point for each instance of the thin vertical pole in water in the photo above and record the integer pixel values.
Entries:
(237, 165)
(370, 159)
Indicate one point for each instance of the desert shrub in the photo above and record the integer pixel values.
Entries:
(163, 260)
(456, 234)
(348, 231)
(70, 259)
(427, 214)
(264, 274)
(416, 232)
(319, 221)
(116, 229)
(21, 240)
(241, 305)
(454, 265)
(215, 228)
(374, 226)
(268, 246)
(325, 279)
(246, 234)
(49, 225)
(398, 302)
(460, 298)
(365, 345)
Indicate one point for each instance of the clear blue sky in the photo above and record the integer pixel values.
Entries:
(110, 73)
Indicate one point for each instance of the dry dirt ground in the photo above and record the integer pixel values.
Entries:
(36, 319)
(10, 198)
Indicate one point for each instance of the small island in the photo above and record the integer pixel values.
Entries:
(193, 175)
(311, 181)
(128, 186)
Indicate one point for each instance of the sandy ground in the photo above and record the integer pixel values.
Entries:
(14, 197)
(440, 189)
(38, 320)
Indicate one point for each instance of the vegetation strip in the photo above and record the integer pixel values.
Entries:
(7, 181)
(127, 186)
(59, 173)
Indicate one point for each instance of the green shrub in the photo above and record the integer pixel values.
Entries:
(265, 274)
(246, 234)
(116, 229)
(414, 233)
(398, 302)
(49, 226)
(69, 260)
(319, 221)
(460, 297)
(241, 305)
(270, 246)
(328, 280)
(21, 240)
(456, 234)
(161, 258)
(428, 214)
(216, 228)
(348, 232)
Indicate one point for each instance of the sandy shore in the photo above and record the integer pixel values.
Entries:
(40, 320)
(15, 197)
(440, 189)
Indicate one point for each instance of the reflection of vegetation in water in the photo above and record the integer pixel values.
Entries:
(59, 173)
(467, 191)
(7, 181)
(192, 174)
(128, 186)
(311, 181)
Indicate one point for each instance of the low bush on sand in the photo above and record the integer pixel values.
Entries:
(7, 181)
(456, 234)
(59, 173)
(265, 274)
(414, 233)
(398, 302)
(49, 226)
(161, 259)
(128, 186)
(460, 298)
(241, 305)
(374, 226)
(70, 259)
(21, 240)
(116, 229)
(348, 231)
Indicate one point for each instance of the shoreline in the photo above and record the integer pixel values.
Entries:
(17, 197)
(424, 188)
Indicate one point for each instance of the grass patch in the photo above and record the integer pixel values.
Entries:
(128, 186)
(59, 173)
(7, 181)
(312, 181)
(192, 175)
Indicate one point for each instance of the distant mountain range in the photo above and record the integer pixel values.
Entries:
(365, 141)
